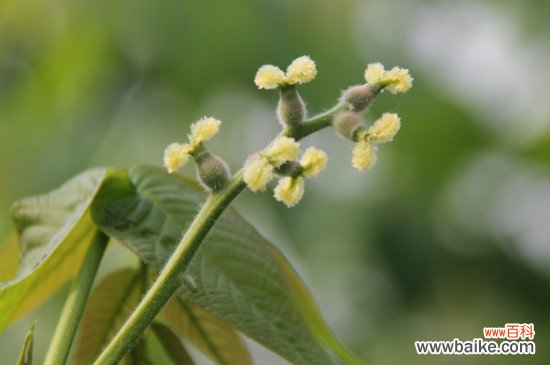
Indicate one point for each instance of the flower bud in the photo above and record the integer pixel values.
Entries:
(212, 171)
(397, 80)
(313, 161)
(175, 156)
(289, 190)
(385, 128)
(258, 172)
(269, 77)
(283, 149)
(204, 129)
(364, 155)
(348, 125)
(291, 109)
(360, 96)
(374, 73)
(301, 70)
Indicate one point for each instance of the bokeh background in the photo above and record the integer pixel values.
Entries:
(447, 234)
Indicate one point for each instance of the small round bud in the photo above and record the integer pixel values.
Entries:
(269, 77)
(283, 149)
(258, 172)
(374, 73)
(385, 128)
(313, 161)
(301, 70)
(175, 156)
(348, 124)
(397, 80)
(364, 155)
(213, 172)
(290, 109)
(289, 190)
(204, 129)
(360, 96)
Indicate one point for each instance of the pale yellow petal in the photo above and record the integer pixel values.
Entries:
(289, 190)
(301, 70)
(313, 161)
(269, 77)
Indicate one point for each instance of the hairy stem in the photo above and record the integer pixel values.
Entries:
(168, 280)
(74, 305)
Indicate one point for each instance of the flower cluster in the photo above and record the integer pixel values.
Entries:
(300, 71)
(383, 130)
(280, 158)
(176, 154)
(396, 80)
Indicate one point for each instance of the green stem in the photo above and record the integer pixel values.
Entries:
(74, 305)
(168, 280)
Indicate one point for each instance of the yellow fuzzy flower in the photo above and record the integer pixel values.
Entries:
(385, 128)
(269, 77)
(301, 70)
(374, 73)
(398, 80)
(364, 155)
(175, 156)
(257, 174)
(313, 161)
(283, 149)
(289, 190)
(204, 129)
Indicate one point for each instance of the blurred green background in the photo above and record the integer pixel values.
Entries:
(447, 234)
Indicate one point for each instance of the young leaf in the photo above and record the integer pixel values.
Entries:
(214, 337)
(172, 345)
(239, 276)
(111, 302)
(54, 232)
(25, 358)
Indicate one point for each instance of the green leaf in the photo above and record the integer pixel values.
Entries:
(214, 337)
(239, 276)
(25, 358)
(111, 302)
(54, 232)
(9, 258)
(172, 345)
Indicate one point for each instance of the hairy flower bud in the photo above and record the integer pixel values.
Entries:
(269, 77)
(301, 70)
(289, 190)
(397, 80)
(283, 149)
(374, 73)
(385, 128)
(313, 161)
(175, 156)
(360, 96)
(348, 124)
(291, 109)
(204, 129)
(212, 171)
(258, 172)
(364, 155)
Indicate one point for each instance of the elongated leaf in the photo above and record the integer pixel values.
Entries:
(25, 358)
(111, 302)
(172, 345)
(9, 258)
(239, 276)
(214, 337)
(54, 232)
